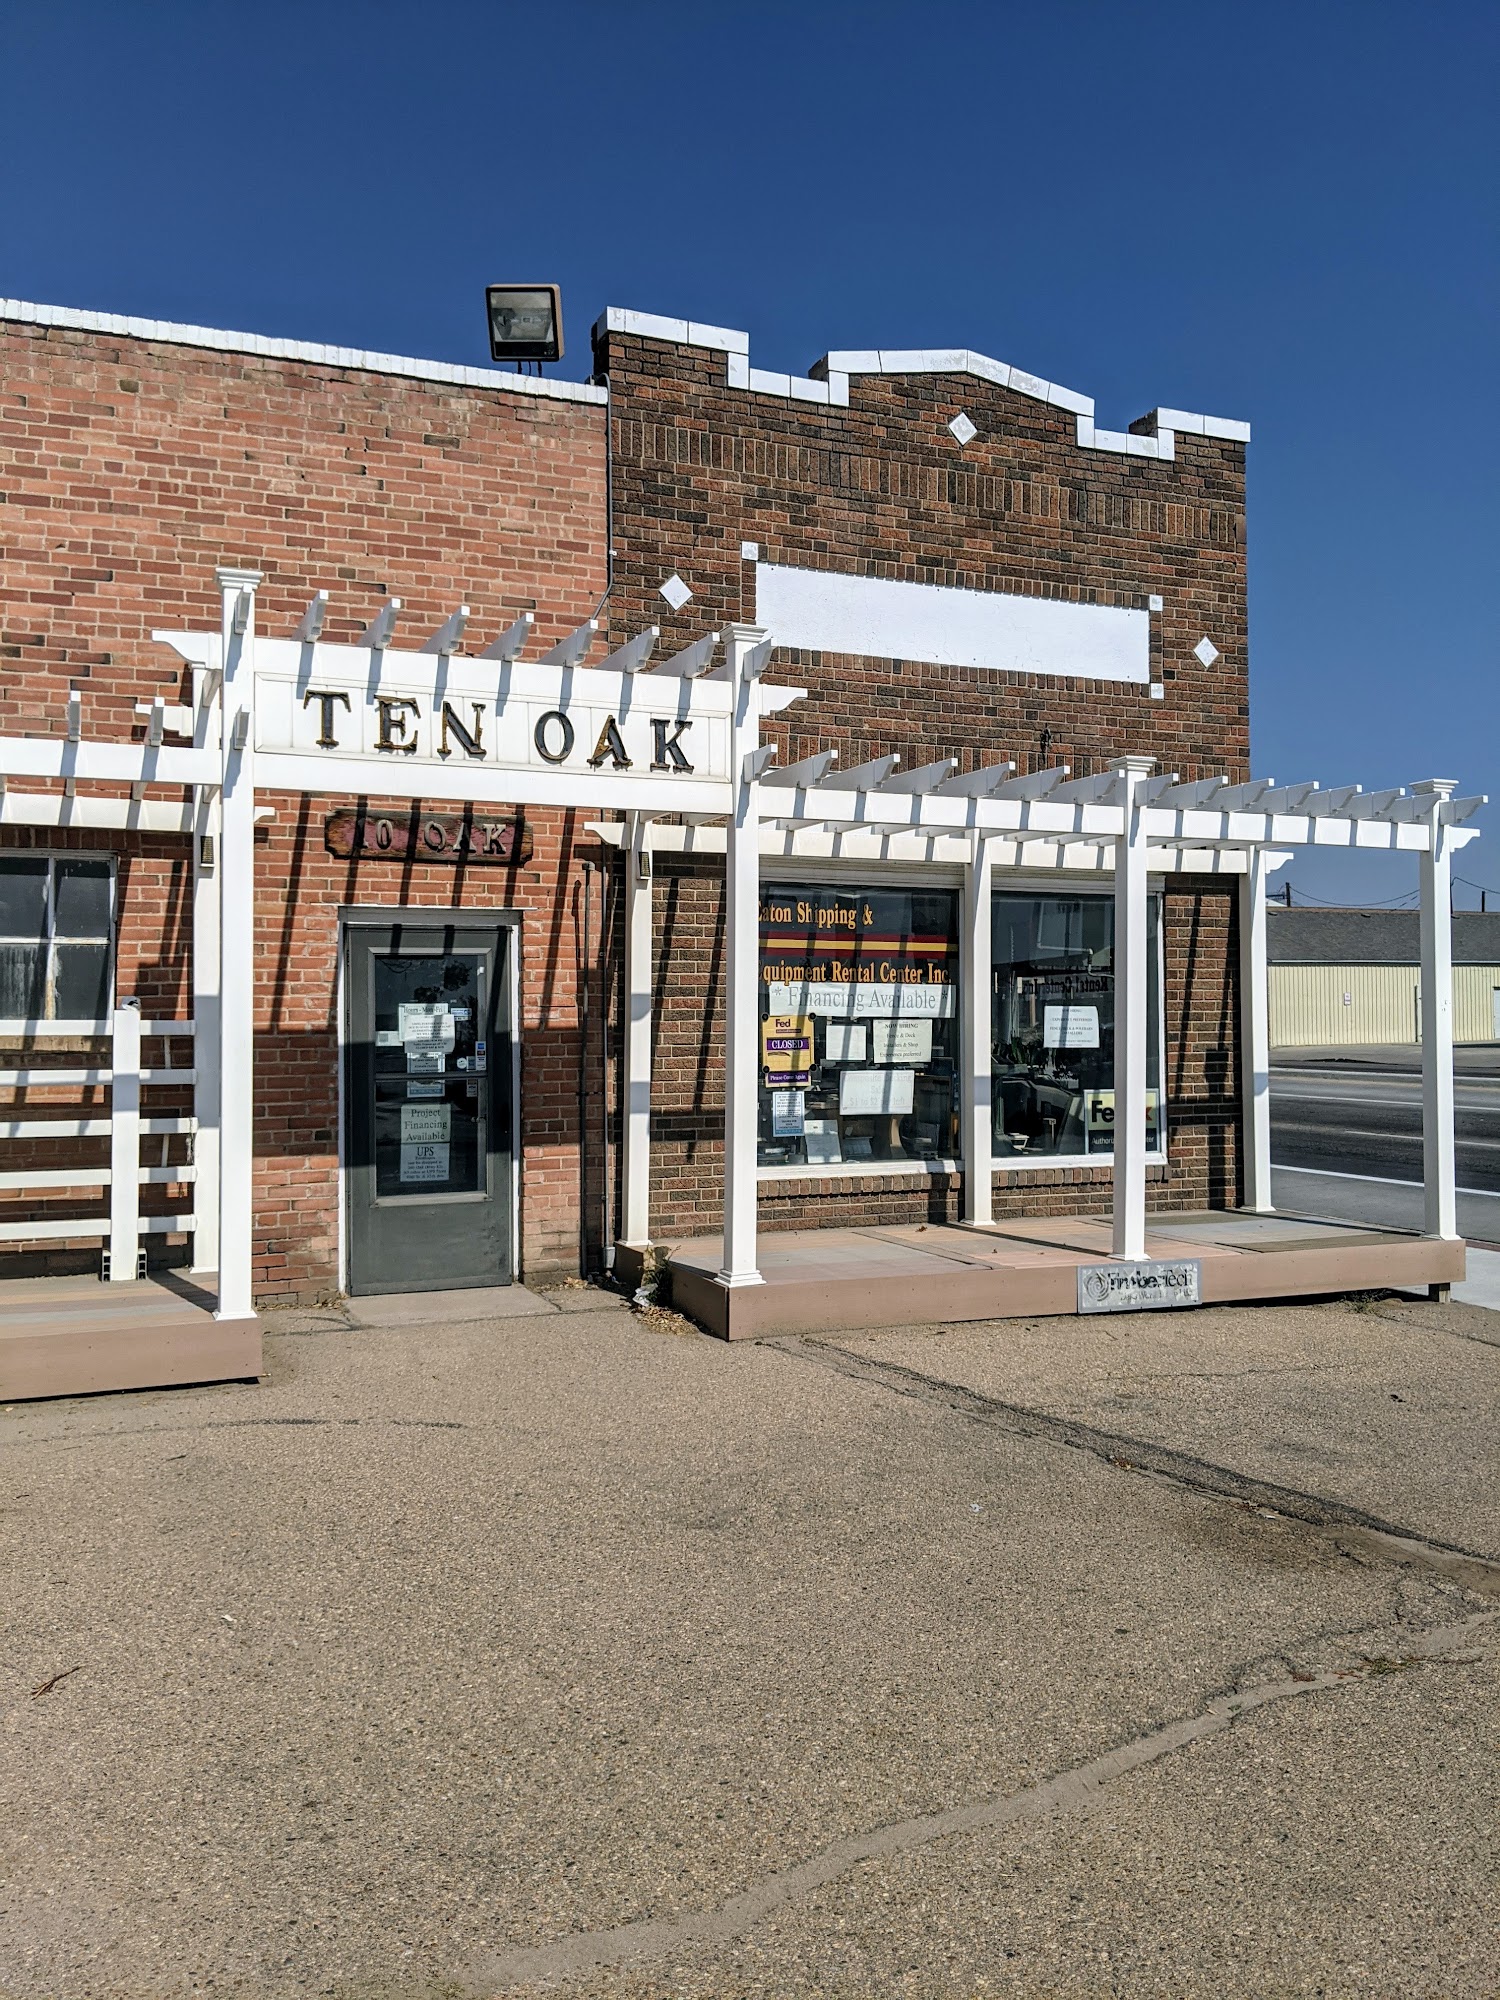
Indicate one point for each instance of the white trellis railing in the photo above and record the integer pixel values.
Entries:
(126, 1123)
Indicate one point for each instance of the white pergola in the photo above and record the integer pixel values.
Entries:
(1127, 823)
(677, 753)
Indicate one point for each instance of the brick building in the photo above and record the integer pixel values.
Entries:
(930, 572)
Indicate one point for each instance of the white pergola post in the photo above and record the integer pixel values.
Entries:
(1255, 1035)
(1439, 1174)
(978, 1128)
(125, 1143)
(207, 1048)
(236, 862)
(635, 1138)
(1129, 1241)
(742, 963)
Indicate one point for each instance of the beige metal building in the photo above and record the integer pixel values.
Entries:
(1353, 976)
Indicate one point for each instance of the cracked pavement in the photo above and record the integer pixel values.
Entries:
(574, 1654)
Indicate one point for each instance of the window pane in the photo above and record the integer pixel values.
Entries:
(23, 896)
(859, 1025)
(82, 907)
(1053, 1026)
(82, 982)
(22, 985)
(429, 1131)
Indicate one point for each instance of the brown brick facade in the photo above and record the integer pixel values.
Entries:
(131, 469)
(883, 488)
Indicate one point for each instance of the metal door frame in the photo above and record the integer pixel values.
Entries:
(382, 916)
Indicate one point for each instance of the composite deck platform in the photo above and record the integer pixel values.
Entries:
(76, 1336)
(910, 1274)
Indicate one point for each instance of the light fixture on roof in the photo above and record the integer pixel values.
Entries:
(525, 322)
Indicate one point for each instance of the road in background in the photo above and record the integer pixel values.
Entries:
(1346, 1135)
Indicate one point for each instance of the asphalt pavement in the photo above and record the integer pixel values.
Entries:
(1346, 1136)
(573, 1653)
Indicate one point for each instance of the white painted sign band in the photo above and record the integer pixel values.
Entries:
(876, 618)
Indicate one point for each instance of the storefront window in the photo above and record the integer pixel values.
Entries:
(859, 1025)
(56, 923)
(1053, 1026)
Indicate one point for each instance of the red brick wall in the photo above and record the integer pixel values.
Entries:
(129, 470)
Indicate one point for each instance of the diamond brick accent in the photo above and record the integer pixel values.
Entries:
(963, 427)
(1206, 651)
(675, 591)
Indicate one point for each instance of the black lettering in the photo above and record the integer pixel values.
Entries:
(325, 698)
(611, 744)
(539, 737)
(669, 756)
(392, 735)
(473, 745)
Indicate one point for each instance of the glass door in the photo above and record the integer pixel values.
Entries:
(427, 1108)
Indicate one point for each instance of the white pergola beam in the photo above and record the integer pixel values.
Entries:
(575, 649)
(692, 660)
(512, 641)
(310, 624)
(921, 778)
(802, 775)
(980, 784)
(445, 639)
(866, 777)
(378, 633)
(634, 655)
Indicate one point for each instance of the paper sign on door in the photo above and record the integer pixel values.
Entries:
(426, 1130)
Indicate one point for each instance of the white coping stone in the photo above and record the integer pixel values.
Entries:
(839, 364)
(645, 326)
(169, 333)
(1069, 399)
(1200, 426)
(852, 361)
(997, 372)
(718, 336)
(806, 391)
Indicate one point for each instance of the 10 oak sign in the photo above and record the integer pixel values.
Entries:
(456, 726)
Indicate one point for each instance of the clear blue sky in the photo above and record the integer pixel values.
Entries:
(1280, 212)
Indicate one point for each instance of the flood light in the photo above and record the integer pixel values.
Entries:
(525, 322)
